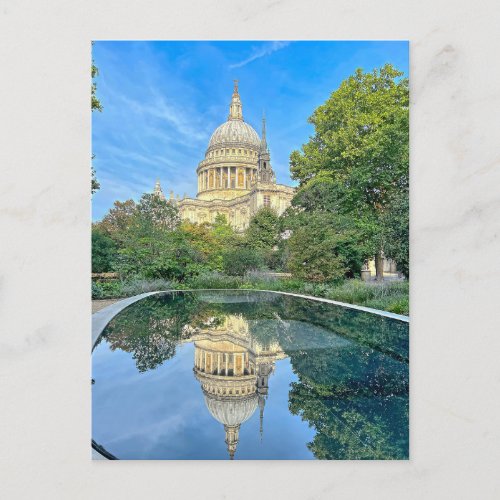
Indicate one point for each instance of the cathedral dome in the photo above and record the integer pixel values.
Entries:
(234, 132)
(231, 411)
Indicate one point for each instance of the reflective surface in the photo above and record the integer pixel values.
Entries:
(250, 375)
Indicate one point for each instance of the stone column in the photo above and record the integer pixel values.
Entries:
(245, 178)
(228, 177)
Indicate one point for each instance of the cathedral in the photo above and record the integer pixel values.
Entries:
(235, 178)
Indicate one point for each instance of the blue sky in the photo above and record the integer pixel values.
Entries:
(163, 100)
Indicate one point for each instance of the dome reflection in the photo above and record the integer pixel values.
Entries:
(233, 369)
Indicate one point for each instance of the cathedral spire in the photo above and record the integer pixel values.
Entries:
(263, 141)
(235, 109)
(232, 435)
(265, 171)
(262, 403)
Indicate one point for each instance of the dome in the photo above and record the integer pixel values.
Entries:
(234, 132)
(231, 411)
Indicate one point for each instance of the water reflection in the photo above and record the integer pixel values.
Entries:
(233, 369)
(339, 378)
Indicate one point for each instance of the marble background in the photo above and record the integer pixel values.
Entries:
(45, 248)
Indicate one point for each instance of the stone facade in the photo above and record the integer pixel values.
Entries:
(236, 177)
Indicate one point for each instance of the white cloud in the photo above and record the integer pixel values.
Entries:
(265, 50)
(178, 119)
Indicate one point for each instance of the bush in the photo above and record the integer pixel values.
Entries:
(135, 287)
(214, 279)
(119, 289)
(103, 252)
(401, 306)
(389, 296)
(106, 290)
(240, 260)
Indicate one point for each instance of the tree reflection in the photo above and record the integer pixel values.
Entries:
(352, 371)
(359, 409)
(151, 329)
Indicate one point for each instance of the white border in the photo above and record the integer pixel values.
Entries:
(45, 310)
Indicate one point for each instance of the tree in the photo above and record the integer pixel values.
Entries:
(240, 259)
(103, 251)
(95, 102)
(396, 231)
(325, 244)
(263, 229)
(263, 235)
(95, 105)
(154, 213)
(314, 255)
(154, 246)
(360, 147)
(119, 219)
(163, 254)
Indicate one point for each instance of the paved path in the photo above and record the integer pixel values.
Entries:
(97, 305)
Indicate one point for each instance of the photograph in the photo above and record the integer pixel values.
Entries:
(250, 250)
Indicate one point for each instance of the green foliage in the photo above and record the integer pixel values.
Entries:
(107, 289)
(153, 215)
(358, 159)
(103, 252)
(387, 295)
(263, 229)
(95, 105)
(263, 235)
(214, 279)
(138, 286)
(152, 330)
(95, 185)
(396, 223)
(392, 296)
(352, 202)
(313, 256)
(166, 255)
(237, 261)
(152, 244)
(115, 289)
(118, 220)
(361, 139)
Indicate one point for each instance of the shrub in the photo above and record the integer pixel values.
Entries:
(214, 279)
(137, 286)
(103, 252)
(240, 260)
(401, 306)
(106, 289)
